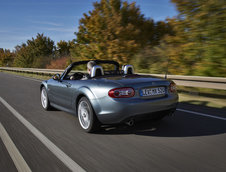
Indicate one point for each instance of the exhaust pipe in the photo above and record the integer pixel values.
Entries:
(130, 122)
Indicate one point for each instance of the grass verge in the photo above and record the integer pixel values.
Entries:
(202, 96)
(201, 100)
(206, 92)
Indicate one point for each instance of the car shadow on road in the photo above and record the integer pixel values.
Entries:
(180, 125)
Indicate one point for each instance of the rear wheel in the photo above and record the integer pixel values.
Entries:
(44, 99)
(87, 118)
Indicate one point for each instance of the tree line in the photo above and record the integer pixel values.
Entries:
(192, 43)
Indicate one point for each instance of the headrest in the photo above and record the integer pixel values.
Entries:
(97, 71)
(128, 69)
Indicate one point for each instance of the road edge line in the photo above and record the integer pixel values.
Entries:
(14, 153)
(72, 165)
(202, 114)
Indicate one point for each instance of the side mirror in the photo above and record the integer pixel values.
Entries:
(56, 77)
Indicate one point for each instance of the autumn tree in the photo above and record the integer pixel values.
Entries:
(37, 52)
(6, 57)
(113, 30)
(59, 63)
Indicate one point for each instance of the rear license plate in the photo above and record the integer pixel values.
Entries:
(152, 91)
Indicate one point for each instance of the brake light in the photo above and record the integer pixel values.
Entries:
(123, 92)
(172, 87)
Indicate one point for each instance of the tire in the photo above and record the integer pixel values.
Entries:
(86, 116)
(44, 99)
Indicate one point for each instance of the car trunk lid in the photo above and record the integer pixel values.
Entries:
(145, 86)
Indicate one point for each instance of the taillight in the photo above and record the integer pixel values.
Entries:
(124, 92)
(172, 87)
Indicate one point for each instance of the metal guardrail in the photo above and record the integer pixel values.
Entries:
(33, 70)
(190, 81)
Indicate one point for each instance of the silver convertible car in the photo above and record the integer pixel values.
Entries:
(109, 96)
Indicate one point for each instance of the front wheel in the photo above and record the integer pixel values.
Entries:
(87, 118)
(44, 99)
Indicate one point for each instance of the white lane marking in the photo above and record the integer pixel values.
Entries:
(14, 153)
(72, 165)
(202, 114)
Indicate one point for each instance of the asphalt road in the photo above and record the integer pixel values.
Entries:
(184, 142)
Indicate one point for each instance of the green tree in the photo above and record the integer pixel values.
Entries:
(113, 30)
(63, 48)
(161, 29)
(155, 59)
(36, 53)
(198, 45)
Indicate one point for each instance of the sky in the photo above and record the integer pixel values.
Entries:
(21, 20)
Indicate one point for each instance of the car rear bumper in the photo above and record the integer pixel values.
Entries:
(124, 109)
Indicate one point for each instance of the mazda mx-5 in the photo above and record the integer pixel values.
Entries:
(108, 95)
